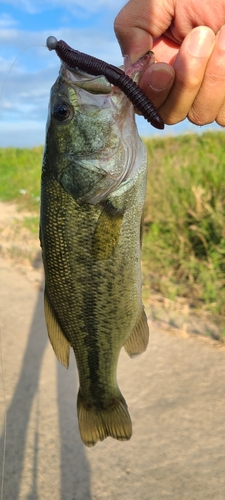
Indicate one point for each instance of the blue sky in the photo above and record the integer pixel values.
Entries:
(86, 25)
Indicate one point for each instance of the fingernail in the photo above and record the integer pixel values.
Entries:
(201, 41)
(159, 80)
(220, 38)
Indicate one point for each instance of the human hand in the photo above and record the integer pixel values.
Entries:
(188, 79)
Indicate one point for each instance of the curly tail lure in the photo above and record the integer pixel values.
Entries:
(114, 75)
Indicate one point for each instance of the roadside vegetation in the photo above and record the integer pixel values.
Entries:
(20, 171)
(184, 237)
(184, 225)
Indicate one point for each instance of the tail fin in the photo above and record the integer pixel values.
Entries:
(96, 424)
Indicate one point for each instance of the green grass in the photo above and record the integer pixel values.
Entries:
(184, 230)
(184, 237)
(20, 171)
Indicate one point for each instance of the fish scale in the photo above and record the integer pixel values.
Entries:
(91, 256)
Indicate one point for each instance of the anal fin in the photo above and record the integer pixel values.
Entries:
(60, 344)
(137, 342)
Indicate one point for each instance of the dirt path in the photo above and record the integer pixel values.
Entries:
(176, 398)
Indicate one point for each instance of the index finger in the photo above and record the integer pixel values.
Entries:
(136, 25)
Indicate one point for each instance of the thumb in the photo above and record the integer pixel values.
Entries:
(139, 22)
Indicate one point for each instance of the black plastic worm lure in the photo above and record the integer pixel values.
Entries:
(114, 75)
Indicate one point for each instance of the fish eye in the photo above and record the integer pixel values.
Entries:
(61, 111)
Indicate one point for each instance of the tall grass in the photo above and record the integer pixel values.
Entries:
(20, 171)
(184, 238)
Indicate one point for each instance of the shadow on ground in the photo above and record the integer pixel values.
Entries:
(75, 471)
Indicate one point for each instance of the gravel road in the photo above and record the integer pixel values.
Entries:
(176, 398)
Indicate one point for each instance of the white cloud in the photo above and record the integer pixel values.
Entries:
(6, 21)
(22, 134)
(28, 72)
(90, 6)
(92, 41)
(26, 5)
(27, 85)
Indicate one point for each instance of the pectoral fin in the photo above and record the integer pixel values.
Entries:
(138, 340)
(107, 232)
(60, 344)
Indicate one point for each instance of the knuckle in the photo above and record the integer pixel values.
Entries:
(220, 119)
(199, 117)
(188, 83)
(171, 118)
(215, 79)
(120, 25)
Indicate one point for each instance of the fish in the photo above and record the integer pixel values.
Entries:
(93, 188)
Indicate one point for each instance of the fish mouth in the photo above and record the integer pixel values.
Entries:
(90, 83)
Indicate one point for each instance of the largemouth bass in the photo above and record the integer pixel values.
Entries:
(92, 197)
